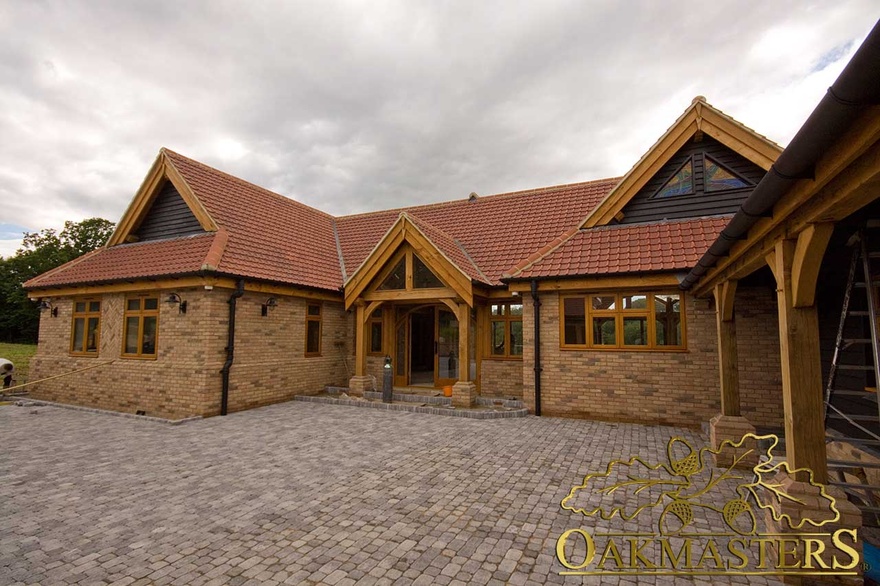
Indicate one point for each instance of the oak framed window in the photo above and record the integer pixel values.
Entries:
(313, 329)
(140, 338)
(622, 321)
(375, 330)
(85, 328)
(505, 330)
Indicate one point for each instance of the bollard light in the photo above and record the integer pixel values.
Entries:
(387, 391)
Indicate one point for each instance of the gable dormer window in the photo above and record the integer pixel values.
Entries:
(681, 182)
(717, 177)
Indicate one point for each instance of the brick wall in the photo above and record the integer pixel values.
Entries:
(184, 379)
(270, 362)
(501, 378)
(677, 388)
(174, 385)
(757, 342)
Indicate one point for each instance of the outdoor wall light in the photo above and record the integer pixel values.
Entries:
(175, 298)
(46, 304)
(270, 302)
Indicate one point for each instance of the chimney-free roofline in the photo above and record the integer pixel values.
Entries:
(856, 88)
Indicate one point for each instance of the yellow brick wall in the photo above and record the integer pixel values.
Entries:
(184, 379)
(757, 341)
(270, 362)
(677, 388)
(174, 385)
(501, 378)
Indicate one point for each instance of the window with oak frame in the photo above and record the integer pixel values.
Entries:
(627, 321)
(141, 327)
(313, 329)
(505, 330)
(85, 330)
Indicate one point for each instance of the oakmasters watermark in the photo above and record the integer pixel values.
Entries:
(693, 500)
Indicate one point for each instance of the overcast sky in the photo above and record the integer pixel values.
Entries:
(358, 106)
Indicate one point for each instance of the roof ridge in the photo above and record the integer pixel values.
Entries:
(520, 193)
(284, 198)
(339, 250)
(655, 222)
(215, 253)
(541, 252)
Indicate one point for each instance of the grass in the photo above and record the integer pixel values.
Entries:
(20, 356)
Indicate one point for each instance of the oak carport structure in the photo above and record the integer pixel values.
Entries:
(822, 185)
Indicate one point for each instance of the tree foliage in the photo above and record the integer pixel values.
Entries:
(41, 251)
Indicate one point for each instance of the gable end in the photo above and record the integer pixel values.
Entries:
(645, 206)
(168, 217)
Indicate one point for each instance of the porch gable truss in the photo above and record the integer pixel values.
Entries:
(405, 236)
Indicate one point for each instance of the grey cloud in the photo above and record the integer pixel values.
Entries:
(355, 106)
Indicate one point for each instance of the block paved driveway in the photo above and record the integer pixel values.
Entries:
(296, 493)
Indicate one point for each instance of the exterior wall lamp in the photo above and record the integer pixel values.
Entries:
(270, 302)
(46, 305)
(175, 298)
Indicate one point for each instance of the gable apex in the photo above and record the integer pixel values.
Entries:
(161, 174)
(406, 230)
(700, 118)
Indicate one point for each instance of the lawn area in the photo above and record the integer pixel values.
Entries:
(20, 356)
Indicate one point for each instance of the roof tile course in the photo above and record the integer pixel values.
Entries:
(629, 248)
(130, 261)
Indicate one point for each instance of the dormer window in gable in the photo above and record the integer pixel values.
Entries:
(681, 182)
(717, 177)
(714, 178)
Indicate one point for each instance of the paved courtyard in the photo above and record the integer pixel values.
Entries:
(297, 493)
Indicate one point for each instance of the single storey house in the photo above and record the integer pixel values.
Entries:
(215, 294)
(610, 299)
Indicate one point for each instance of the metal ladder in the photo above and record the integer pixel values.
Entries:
(856, 419)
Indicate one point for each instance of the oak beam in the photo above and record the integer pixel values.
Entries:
(360, 362)
(464, 346)
(808, 253)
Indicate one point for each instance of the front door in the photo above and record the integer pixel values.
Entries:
(446, 338)
(426, 346)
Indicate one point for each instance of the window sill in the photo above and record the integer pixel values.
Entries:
(312, 355)
(136, 357)
(83, 354)
(504, 358)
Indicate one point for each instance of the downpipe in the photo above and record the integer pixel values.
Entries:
(537, 305)
(230, 347)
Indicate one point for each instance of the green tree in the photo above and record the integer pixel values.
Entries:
(41, 251)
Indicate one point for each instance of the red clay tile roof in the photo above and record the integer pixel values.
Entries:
(266, 236)
(155, 258)
(494, 231)
(271, 237)
(628, 248)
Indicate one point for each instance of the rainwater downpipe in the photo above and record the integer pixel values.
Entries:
(230, 347)
(537, 304)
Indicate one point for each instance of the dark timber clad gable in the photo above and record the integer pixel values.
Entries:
(168, 217)
(642, 208)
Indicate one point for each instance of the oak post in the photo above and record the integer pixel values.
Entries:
(727, 352)
(801, 370)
